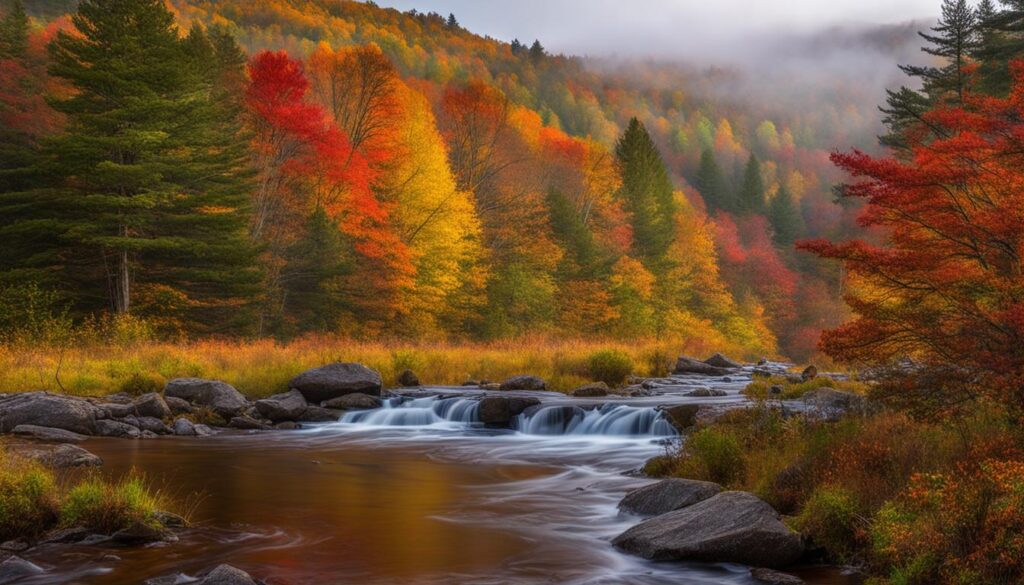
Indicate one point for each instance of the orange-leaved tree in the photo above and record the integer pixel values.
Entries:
(945, 288)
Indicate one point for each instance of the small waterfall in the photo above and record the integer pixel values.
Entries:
(617, 420)
(419, 412)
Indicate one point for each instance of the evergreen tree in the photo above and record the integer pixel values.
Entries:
(954, 40)
(786, 220)
(149, 187)
(451, 22)
(573, 234)
(14, 31)
(750, 198)
(711, 183)
(1000, 40)
(313, 278)
(537, 52)
(646, 192)
(517, 47)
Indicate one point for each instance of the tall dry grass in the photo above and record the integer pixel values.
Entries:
(263, 367)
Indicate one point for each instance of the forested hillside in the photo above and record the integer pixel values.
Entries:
(298, 166)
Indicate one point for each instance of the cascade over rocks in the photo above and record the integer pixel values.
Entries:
(219, 396)
(334, 380)
(667, 495)
(47, 410)
(500, 410)
(731, 527)
(689, 365)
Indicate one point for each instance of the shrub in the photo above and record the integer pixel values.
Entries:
(142, 383)
(610, 366)
(106, 508)
(28, 498)
(713, 454)
(831, 518)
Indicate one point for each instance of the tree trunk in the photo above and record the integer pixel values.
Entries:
(122, 293)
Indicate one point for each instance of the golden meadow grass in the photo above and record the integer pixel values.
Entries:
(263, 367)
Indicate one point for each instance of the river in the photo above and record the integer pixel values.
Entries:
(409, 494)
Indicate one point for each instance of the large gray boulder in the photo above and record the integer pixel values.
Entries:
(667, 495)
(524, 383)
(47, 434)
(731, 527)
(113, 428)
(152, 405)
(288, 406)
(15, 568)
(720, 361)
(682, 416)
(183, 427)
(47, 410)
(227, 575)
(148, 423)
(354, 401)
(498, 411)
(220, 397)
(334, 380)
(60, 456)
(689, 365)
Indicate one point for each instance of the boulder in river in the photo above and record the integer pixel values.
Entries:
(47, 410)
(689, 365)
(408, 379)
(338, 379)
(315, 414)
(60, 456)
(500, 410)
(248, 423)
(178, 405)
(15, 569)
(593, 390)
(524, 383)
(183, 427)
(227, 575)
(667, 495)
(113, 428)
(220, 397)
(47, 434)
(731, 527)
(149, 423)
(682, 416)
(152, 405)
(720, 361)
(706, 392)
(288, 406)
(354, 401)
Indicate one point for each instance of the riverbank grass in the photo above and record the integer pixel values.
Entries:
(34, 500)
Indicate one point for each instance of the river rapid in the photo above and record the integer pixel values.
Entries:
(413, 493)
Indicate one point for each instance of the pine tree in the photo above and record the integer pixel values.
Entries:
(14, 31)
(451, 22)
(787, 223)
(149, 180)
(574, 236)
(1001, 40)
(954, 40)
(537, 52)
(646, 192)
(313, 279)
(517, 47)
(711, 183)
(750, 198)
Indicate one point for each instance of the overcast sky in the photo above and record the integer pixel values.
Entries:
(667, 28)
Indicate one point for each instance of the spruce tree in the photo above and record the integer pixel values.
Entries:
(954, 40)
(580, 260)
(451, 22)
(14, 31)
(711, 183)
(150, 187)
(750, 198)
(313, 278)
(646, 191)
(537, 52)
(1001, 40)
(786, 220)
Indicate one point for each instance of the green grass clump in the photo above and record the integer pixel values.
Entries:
(610, 366)
(108, 507)
(832, 519)
(28, 498)
(760, 388)
(714, 454)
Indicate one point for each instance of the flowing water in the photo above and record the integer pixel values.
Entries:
(415, 492)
